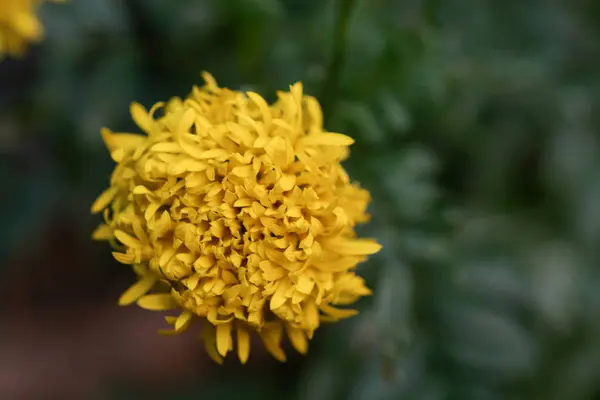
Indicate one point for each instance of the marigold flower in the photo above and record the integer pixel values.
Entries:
(19, 25)
(241, 212)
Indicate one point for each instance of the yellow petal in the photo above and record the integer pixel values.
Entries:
(243, 171)
(137, 290)
(151, 210)
(243, 344)
(126, 239)
(345, 299)
(214, 153)
(123, 141)
(279, 298)
(186, 121)
(305, 284)
(287, 182)
(338, 265)
(352, 246)
(123, 258)
(271, 337)
(240, 133)
(192, 281)
(167, 332)
(273, 273)
(211, 350)
(166, 147)
(140, 269)
(141, 117)
(208, 336)
(103, 232)
(183, 321)
(257, 126)
(315, 113)
(223, 335)
(245, 202)
(166, 256)
(190, 146)
(262, 105)
(228, 277)
(258, 208)
(298, 297)
(27, 25)
(328, 139)
(296, 90)
(141, 189)
(298, 339)
(204, 262)
(210, 80)
(311, 315)
(336, 312)
(157, 302)
(104, 199)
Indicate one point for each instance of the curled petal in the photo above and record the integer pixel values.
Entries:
(104, 200)
(271, 336)
(137, 290)
(122, 141)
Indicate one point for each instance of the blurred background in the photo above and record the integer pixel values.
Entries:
(476, 126)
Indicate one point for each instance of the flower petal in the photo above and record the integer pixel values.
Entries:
(305, 284)
(262, 105)
(157, 302)
(104, 199)
(243, 344)
(352, 247)
(211, 83)
(223, 336)
(327, 139)
(183, 321)
(271, 337)
(336, 312)
(287, 182)
(214, 153)
(279, 297)
(208, 336)
(127, 239)
(103, 232)
(137, 290)
(124, 258)
(298, 339)
(186, 121)
(141, 117)
(124, 141)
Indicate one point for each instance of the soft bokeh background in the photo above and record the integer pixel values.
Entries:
(477, 133)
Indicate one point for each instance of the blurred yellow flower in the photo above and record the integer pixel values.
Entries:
(237, 212)
(19, 25)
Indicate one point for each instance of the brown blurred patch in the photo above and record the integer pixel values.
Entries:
(62, 333)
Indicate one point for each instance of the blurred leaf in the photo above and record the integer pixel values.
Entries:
(501, 347)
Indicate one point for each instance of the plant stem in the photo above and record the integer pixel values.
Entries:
(331, 85)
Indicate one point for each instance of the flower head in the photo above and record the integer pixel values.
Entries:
(242, 211)
(19, 25)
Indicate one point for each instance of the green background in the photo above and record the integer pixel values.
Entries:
(476, 133)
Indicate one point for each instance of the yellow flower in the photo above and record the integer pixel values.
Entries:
(19, 25)
(241, 212)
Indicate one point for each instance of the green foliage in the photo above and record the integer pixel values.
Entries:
(475, 126)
